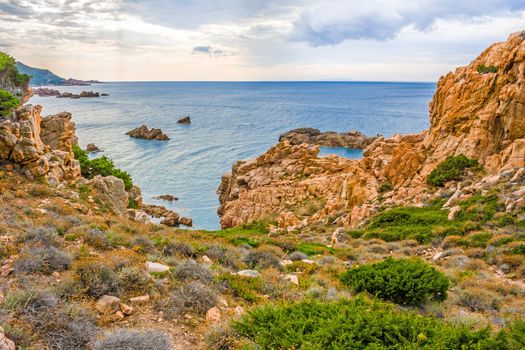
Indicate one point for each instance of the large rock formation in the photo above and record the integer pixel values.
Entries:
(474, 112)
(39, 146)
(351, 139)
(111, 191)
(142, 132)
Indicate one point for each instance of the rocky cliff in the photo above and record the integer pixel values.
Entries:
(39, 146)
(478, 110)
(352, 139)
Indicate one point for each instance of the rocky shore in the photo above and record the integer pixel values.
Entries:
(477, 114)
(351, 139)
(46, 92)
(142, 132)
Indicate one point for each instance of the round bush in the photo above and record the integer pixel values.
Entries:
(403, 281)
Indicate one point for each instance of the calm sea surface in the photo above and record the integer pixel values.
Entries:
(230, 122)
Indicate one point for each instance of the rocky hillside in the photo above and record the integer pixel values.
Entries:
(477, 111)
(46, 77)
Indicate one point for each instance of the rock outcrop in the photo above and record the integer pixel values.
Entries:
(111, 191)
(92, 148)
(39, 146)
(473, 112)
(6, 343)
(185, 120)
(351, 139)
(142, 132)
(169, 217)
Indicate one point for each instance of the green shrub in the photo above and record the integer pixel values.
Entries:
(403, 281)
(242, 286)
(519, 249)
(360, 323)
(451, 168)
(484, 69)
(8, 103)
(100, 166)
(97, 279)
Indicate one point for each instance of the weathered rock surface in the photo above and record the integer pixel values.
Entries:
(185, 120)
(111, 191)
(5, 343)
(142, 132)
(83, 94)
(39, 146)
(351, 139)
(477, 114)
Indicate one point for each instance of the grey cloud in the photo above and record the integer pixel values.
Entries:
(210, 51)
(333, 22)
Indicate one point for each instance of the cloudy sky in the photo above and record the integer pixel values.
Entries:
(381, 40)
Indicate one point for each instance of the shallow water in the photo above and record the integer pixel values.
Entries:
(230, 122)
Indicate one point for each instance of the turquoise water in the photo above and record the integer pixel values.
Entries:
(230, 121)
(341, 152)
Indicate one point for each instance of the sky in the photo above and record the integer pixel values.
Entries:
(254, 40)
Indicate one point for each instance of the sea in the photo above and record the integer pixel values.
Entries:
(231, 121)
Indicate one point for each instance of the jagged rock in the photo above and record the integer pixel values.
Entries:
(142, 132)
(40, 146)
(92, 148)
(135, 196)
(351, 139)
(171, 219)
(478, 115)
(167, 197)
(45, 92)
(139, 216)
(107, 304)
(186, 221)
(292, 278)
(6, 343)
(185, 120)
(249, 273)
(112, 192)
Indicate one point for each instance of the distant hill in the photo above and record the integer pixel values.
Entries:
(46, 77)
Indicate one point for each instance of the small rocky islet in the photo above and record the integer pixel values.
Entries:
(46, 92)
(142, 132)
(83, 267)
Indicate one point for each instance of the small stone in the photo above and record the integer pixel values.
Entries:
(6, 343)
(453, 212)
(437, 256)
(249, 273)
(186, 120)
(107, 304)
(55, 274)
(308, 261)
(292, 278)
(140, 299)
(206, 260)
(156, 267)
(120, 315)
(286, 262)
(126, 309)
(239, 311)
(213, 315)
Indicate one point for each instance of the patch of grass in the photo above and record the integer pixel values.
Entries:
(242, 286)
(190, 270)
(96, 278)
(100, 166)
(191, 297)
(261, 259)
(452, 168)
(403, 281)
(359, 323)
(314, 249)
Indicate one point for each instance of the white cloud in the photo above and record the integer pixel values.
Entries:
(332, 22)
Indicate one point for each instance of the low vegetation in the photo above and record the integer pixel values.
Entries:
(487, 69)
(133, 340)
(362, 323)
(452, 168)
(402, 281)
(8, 103)
(100, 166)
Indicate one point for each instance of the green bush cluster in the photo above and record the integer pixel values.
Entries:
(451, 168)
(487, 69)
(403, 281)
(362, 323)
(8, 69)
(8, 103)
(100, 166)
